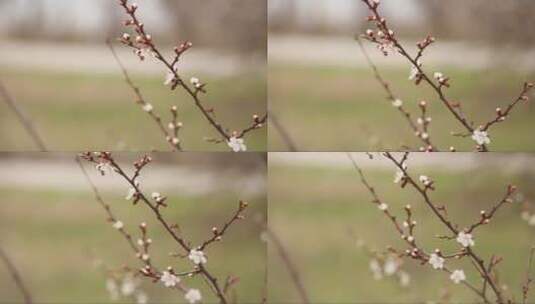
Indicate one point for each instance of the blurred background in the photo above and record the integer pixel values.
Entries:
(321, 85)
(54, 61)
(320, 210)
(54, 230)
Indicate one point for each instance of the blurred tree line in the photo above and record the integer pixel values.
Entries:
(493, 21)
(490, 21)
(230, 24)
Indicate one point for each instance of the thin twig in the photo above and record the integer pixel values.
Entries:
(141, 100)
(527, 282)
(16, 277)
(393, 98)
(283, 132)
(23, 118)
(292, 268)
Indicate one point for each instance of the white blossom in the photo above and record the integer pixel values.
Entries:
(103, 167)
(404, 278)
(438, 76)
(132, 191)
(397, 103)
(398, 176)
(195, 82)
(465, 239)
(237, 144)
(111, 287)
(193, 296)
(457, 276)
(147, 107)
(128, 287)
(531, 220)
(391, 266)
(118, 225)
(425, 180)
(157, 196)
(141, 298)
(169, 279)
(481, 137)
(375, 268)
(436, 261)
(414, 71)
(169, 78)
(382, 206)
(197, 256)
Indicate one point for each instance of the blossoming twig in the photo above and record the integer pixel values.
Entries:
(171, 137)
(16, 277)
(143, 43)
(423, 186)
(398, 103)
(386, 40)
(105, 162)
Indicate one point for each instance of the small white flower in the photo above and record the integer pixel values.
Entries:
(128, 287)
(237, 144)
(103, 167)
(169, 78)
(481, 137)
(531, 220)
(391, 266)
(193, 296)
(397, 103)
(399, 176)
(141, 298)
(118, 225)
(382, 206)
(375, 268)
(195, 82)
(126, 36)
(425, 180)
(130, 194)
(414, 71)
(436, 261)
(404, 278)
(132, 191)
(111, 287)
(465, 239)
(197, 256)
(169, 279)
(457, 276)
(438, 76)
(147, 107)
(156, 196)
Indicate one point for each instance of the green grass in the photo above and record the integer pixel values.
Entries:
(315, 211)
(80, 111)
(54, 237)
(343, 109)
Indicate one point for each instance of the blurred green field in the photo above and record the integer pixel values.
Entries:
(75, 111)
(315, 210)
(344, 109)
(54, 237)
